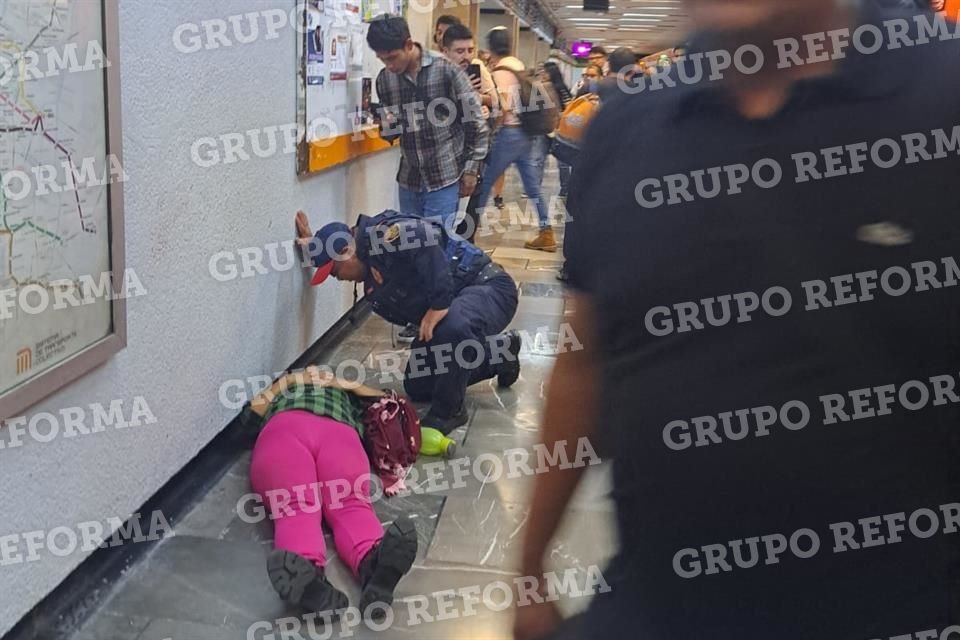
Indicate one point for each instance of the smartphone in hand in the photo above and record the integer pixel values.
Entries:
(473, 71)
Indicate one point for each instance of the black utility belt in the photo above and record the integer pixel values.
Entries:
(490, 271)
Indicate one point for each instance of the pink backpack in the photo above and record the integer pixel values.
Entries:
(392, 439)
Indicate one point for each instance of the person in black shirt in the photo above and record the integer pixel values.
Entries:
(780, 471)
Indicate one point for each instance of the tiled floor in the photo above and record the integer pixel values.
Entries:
(208, 582)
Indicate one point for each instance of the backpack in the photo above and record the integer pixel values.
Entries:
(572, 126)
(537, 109)
(391, 437)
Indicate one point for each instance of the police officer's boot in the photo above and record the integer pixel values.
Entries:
(509, 369)
(446, 424)
(300, 582)
(384, 565)
(545, 241)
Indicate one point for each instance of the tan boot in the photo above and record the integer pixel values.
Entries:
(545, 241)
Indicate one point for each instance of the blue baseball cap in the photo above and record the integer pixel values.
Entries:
(329, 241)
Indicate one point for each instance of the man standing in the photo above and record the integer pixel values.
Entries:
(428, 103)
(598, 58)
(622, 65)
(782, 473)
(459, 47)
(414, 272)
(511, 144)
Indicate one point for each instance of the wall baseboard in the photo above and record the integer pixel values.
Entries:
(65, 609)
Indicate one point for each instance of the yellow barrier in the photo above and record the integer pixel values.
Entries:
(331, 152)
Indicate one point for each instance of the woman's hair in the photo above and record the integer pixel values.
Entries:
(556, 79)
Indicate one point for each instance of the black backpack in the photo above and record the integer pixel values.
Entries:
(537, 110)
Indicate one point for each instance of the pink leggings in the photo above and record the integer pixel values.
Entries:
(301, 466)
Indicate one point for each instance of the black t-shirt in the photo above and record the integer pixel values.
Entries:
(693, 494)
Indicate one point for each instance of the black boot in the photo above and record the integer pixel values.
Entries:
(300, 582)
(448, 424)
(509, 369)
(384, 565)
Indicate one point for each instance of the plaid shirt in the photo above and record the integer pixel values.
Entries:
(433, 154)
(328, 402)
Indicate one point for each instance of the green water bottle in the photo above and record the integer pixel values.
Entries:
(434, 443)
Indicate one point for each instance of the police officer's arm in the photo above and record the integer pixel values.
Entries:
(433, 271)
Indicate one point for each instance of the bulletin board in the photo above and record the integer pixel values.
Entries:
(336, 76)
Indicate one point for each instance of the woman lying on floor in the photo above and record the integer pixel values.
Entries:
(311, 443)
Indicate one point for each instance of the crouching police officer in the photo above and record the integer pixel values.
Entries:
(414, 272)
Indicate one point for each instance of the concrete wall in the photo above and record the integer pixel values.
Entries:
(190, 333)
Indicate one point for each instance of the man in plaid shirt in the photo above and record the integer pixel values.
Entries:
(429, 103)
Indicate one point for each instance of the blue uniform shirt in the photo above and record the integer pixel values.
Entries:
(421, 266)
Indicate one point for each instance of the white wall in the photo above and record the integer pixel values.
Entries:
(190, 332)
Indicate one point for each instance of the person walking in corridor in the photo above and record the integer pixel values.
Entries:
(511, 144)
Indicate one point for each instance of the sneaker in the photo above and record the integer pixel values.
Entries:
(509, 370)
(384, 565)
(446, 425)
(498, 202)
(409, 332)
(545, 241)
(300, 582)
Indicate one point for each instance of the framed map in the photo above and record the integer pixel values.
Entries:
(62, 275)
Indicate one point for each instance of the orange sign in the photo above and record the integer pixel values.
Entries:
(24, 360)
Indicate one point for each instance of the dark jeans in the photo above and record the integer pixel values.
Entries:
(565, 171)
(465, 348)
(512, 146)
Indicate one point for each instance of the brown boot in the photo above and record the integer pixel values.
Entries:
(545, 241)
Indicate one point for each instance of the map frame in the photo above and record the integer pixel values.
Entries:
(58, 376)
